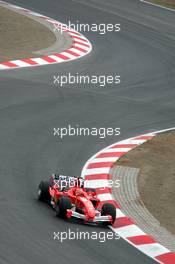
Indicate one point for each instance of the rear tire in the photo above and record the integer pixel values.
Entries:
(109, 209)
(63, 204)
(43, 191)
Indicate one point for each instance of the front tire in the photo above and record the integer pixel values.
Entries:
(43, 191)
(63, 204)
(109, 209)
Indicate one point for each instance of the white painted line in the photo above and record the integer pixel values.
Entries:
(21, 63)
(108, 159)
(75, 32)
(52, 21)
(81, 46)
(157, 5)
(70, 56)
(128, 231)
(105, 197)
(164, 130)
(133, 141)
(153, 250)
(3, 67)
(35, 14)
(98, 171)
(40, 61)
(17, 7)
(108, 150)
(135, 246)
(56, 58)
(119, 213)
(78, 37)
(79, 52)
(79, 40)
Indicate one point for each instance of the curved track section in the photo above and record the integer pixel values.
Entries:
(79, 48)
(30, 107)
(96, 173)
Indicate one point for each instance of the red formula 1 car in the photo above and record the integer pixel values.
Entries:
(69, 198)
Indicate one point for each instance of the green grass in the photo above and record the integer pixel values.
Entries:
(166, 3)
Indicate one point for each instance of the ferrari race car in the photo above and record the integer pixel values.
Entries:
(69, 198)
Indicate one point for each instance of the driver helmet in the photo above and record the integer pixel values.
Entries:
(79, 192)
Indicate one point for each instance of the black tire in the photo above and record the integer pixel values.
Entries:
(109, 209)
(63, 204)
(43, 191)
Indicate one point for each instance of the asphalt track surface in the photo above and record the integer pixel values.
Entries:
(30, 106)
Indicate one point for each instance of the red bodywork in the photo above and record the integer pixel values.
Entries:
(85, 202)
